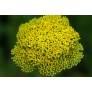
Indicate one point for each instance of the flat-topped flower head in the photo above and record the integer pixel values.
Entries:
(48, 44)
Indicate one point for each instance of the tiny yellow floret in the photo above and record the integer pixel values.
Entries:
(48, 44)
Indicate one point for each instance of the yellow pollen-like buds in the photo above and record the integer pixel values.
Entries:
(48, 44)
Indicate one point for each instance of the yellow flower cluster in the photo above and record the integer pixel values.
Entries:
(48, 44)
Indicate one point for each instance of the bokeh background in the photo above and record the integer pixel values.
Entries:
(9, 25)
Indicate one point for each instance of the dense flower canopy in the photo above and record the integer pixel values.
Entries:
(48, 44)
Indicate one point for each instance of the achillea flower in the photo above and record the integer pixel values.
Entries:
(48, 44)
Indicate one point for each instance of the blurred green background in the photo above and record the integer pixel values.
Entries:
(8, 28)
